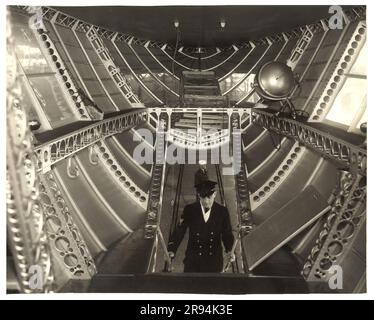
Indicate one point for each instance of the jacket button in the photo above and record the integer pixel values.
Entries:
(211, 233)
(211, 240)
(200, 247)
(210, 253)
(197, 234)
(200, 253)
(210, 246)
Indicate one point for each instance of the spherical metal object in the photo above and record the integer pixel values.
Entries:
(34, 124)
(274, 81)
(363, 127)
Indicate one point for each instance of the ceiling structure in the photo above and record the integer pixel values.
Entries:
(200, 25)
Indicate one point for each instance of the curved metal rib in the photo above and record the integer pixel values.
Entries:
(177, 62)
(239, 63)
(159, 62)
(149, 70)
(109, 208)
(236, 50)
(248, 73)
(218, 51)
(134, 74)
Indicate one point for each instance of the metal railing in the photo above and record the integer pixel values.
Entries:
(342, 226)
(242, 189)
(58, 149)
(111, 68)
(156, 188)
(344, 153)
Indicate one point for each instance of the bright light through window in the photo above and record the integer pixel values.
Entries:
(348, 101)
(349, 106)
(360, 65)
(364, 117)
(242, 89)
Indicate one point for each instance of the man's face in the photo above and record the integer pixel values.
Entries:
(203, 167)
(208, 201)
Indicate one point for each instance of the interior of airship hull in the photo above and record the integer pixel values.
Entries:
(186, 149)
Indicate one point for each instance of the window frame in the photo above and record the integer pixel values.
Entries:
(352, 127)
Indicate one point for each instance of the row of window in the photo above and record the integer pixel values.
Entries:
(348, 110)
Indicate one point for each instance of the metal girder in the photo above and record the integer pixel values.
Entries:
(66, 242)
(27, 239)
(357, 13)
(241, 181)
(54, 151)
(112, 69)
(194, 142)
(344, 153)
(156, 188)
(347, 214)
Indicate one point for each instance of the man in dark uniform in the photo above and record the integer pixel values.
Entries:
(201, 174)
(209, 226)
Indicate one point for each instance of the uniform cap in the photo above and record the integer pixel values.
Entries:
(206, 188)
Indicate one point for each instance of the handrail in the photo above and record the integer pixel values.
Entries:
(220, 185)
(156, 188)
(164, 249)
(232, 252)
(175, 204)
(176, 200)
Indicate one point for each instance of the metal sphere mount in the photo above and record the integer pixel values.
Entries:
(274, 81)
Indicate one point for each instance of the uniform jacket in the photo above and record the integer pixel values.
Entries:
(204, 248)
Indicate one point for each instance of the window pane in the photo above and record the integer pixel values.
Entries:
(52, 99)
(360, 65)
(348, 101)
(27, 47)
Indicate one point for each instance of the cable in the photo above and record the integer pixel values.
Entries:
(278, 145)
(220, 184)
(175, 51)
